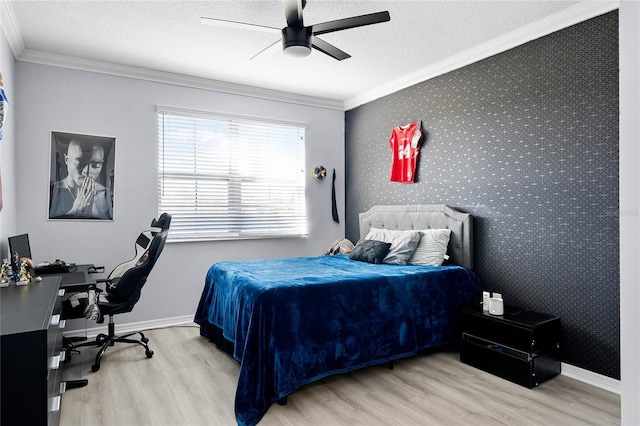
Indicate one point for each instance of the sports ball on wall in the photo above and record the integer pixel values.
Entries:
(319, 173)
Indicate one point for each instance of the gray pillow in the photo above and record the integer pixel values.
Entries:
(370, 251)
(403, 244)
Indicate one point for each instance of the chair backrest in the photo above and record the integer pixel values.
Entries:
(162, 223)
(142, 244)
(128, 287)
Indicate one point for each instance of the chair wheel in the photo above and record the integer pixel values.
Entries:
(145, 339)
(95, 368)
(149, 353)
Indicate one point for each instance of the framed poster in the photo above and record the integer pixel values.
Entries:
(81, 177)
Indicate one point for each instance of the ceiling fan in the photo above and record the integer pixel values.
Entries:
(298, 39)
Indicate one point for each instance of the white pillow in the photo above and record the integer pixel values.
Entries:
(432, 248)
(403, 244)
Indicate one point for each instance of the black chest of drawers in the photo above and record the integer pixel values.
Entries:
(31, 353)
(521, 346)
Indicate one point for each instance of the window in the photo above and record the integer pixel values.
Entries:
(230, 178)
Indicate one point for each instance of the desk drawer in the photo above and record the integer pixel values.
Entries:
(56, 387)
(54, 335)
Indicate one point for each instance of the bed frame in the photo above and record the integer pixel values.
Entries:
(426, 216)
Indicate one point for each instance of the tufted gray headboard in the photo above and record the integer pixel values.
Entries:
(426, 216)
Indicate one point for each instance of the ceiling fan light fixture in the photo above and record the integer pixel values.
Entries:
(297, 51)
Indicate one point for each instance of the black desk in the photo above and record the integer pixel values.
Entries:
(77, 279)
(31, 353)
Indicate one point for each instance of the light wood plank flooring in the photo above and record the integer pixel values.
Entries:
(190, 382)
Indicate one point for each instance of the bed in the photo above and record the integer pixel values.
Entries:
(292, 321)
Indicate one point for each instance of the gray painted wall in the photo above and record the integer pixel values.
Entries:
(527, 142)
(59, 99)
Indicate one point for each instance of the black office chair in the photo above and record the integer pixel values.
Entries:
(120, 296)
(78, 305)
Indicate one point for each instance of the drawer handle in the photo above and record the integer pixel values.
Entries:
(55, 319)
(61, 292)
(55, 404)
(63, 324)
(55, 362)
(63, 356)
(63, 387)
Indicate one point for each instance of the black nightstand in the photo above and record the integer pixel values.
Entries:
(521, 346)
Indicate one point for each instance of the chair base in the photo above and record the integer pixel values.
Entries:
(106, 340)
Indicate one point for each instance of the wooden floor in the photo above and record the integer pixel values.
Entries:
(190, 382)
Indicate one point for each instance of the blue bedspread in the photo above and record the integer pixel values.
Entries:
(294, 321)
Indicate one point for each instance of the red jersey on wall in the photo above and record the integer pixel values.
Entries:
(405, 144)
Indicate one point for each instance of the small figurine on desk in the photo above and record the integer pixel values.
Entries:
(26, 265)
(4, 279)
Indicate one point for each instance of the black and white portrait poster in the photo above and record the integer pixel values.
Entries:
(82, 173)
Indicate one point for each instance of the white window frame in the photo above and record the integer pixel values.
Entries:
(204, 156)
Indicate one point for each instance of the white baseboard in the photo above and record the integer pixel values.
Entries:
(595, 379)
(586, 376)
(131, 327)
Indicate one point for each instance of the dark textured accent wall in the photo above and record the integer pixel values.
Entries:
(527, 142)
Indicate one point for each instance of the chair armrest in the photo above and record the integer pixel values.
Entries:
(108, 283)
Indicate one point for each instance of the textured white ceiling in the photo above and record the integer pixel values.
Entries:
(168, 36)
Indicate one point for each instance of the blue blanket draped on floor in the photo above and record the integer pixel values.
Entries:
(294, 321)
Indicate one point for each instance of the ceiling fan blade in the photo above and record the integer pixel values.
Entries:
(271, 47)
(328, 49)
(346, 23)
(238, 25)
(293, 12)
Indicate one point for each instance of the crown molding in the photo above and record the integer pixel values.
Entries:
(11, 29)
(63, 61)
(570, 16)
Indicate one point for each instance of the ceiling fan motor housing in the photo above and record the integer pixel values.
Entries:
(296, 41)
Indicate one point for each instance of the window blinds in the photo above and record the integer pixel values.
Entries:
(230, 178)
